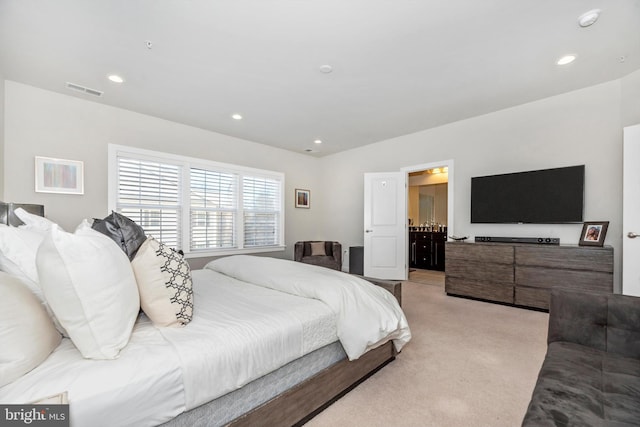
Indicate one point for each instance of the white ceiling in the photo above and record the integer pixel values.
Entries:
(399, 66)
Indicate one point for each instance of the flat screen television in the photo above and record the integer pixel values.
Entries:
(548, 196)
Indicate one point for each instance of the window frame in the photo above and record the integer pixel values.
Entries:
(186, 163)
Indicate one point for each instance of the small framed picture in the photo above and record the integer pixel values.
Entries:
(303, 199)
(594, 233)
(59, 176)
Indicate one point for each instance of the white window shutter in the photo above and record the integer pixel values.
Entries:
(214, 206)
(261, 209)
(149, 193)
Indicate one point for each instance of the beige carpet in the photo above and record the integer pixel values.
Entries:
(469, 363)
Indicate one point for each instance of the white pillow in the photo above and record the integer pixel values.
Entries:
(12, 269)
(33, 222)
(27, 333)
(18, 249)
(164, 284)
(88, 283)
(20, 246)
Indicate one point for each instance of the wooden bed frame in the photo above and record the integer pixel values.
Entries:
(299, 404)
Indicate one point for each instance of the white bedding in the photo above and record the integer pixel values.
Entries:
(367, 315)
(142, 387)
(239, 332)
(242, 333)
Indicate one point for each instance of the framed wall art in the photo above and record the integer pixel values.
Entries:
(303, 198)
(59, 176)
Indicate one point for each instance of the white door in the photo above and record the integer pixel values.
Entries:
(385, 232)
(631, 212)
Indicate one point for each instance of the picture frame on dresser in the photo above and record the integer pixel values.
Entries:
(593, 233)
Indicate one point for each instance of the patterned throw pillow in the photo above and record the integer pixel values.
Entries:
(164, 284)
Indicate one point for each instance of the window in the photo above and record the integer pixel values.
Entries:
(214, 209)
(149, 194)
(204, 208)
(261, 197)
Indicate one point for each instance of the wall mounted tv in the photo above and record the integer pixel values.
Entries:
(548, 196)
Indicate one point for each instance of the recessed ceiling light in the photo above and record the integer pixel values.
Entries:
(589, 18)
(326, 69)
(567, 59)
(317, 141)
(116, 78)
(236, 116)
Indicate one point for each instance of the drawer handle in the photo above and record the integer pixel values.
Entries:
(632, 235)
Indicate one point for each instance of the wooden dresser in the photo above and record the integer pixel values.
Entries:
(523, 274)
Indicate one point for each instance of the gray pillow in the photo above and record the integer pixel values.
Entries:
(122, 230)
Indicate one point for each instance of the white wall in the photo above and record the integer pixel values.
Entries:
(630, 91)
(43, 123)
(581, 127)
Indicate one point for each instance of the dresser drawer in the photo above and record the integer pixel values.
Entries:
(496, 254)
(484, 290)
(480, 271)
(566, 257)
(556, 278)
(532, 297)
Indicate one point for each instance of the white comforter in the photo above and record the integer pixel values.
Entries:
(367, 315)
(241, 332)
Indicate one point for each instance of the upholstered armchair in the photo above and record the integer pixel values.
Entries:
(322, 253)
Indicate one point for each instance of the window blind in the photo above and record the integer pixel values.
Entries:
(261, 209)
(149, 193)
(199, 206)
(214, 208)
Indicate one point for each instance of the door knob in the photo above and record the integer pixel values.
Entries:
(368, 231)
(632, 235)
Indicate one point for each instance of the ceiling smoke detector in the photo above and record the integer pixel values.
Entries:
(589, 18)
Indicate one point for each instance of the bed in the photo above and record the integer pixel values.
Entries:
(270, 342)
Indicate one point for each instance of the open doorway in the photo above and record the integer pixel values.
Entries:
(429, 219)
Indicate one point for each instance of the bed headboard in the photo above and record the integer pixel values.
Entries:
(8, 217)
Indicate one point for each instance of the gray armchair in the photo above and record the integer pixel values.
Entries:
(322, 253)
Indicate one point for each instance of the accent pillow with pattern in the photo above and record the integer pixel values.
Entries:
(164, 283)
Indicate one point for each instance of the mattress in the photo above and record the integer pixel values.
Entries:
(239, 333)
